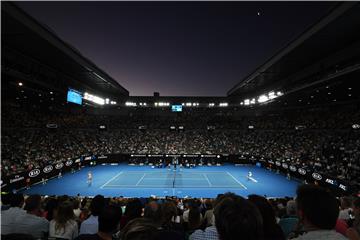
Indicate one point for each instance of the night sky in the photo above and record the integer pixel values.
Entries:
(177, 48)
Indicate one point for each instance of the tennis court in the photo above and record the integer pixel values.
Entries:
(144, 181)
(172, 179)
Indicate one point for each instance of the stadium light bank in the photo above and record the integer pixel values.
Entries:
(264, 98)
(98, 100)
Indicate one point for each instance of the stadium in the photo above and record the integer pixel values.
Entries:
(276, 157)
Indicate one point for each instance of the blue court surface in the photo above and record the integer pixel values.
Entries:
(144, 181)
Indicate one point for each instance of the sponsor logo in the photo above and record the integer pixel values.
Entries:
(102, 157)
(343, 187)
(330, 181)
(302, 171)
(2, 184)
(59, 166)
(68, 162)
(34, 173)
(48, 169)
(88, 158)
(316, 176)
(51, 125)
(16, 179)
(293, 168)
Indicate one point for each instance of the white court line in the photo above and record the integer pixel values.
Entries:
(236, 180)
(156, 187)
(164, 178)
(139, 186)
(184, 172)
(207, 179)
(140, 179)
(253, 179)
(112, 179)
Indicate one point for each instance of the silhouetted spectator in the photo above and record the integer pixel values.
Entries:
(271, 229)
(238, 218)
(16, 220)
(90, 225)
(133, 210)
(318, 211)
(64, 224)
(109, 225)
(289, 222)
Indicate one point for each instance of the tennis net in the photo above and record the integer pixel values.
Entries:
(174, 178)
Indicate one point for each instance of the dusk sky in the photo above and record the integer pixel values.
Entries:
(177, 48)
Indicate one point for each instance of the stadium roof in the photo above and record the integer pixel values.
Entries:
(332, 44)
(25, 40)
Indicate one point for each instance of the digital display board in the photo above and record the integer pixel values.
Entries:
(74, 97)
(176, 108)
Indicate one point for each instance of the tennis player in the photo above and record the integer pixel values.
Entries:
(89, 178)
(175, 163)
(249, 175)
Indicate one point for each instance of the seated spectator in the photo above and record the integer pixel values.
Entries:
(133, 210)
(10, 217)
(90, 225)
(50, 208)
(289, 222)
(209, 219)
(353, 232)
(271, 229)
(152, 211)
(17, 220)
(109, 225)
(234, 217)
(341, 226)
(194, 220)
(76, 207)
(238, 218)
(64, 225)
(318, 211)
(140, 229)
(169, 215)
(209, 233)
(346, 203)
(192, 203)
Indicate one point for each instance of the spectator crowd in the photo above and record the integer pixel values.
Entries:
(314, 214)
(328, 143)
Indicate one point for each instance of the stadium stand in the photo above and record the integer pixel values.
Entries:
(305, 132)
